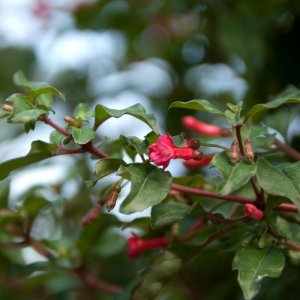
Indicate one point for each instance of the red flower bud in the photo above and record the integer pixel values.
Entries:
(91, 215)
(192, 163)
(203, 128)
(137, 245)
(253, 212)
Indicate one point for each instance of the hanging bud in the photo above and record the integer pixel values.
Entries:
(6, 107)
(91, 215)
(198, 155)
(234, 152)
(113, 197)
(72, 121)
(253, 212)
(249, 150)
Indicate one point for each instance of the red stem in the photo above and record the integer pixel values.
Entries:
(287, 149)
(48, 121)
(288, 207)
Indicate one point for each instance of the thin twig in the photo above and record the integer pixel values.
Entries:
(287, 149)
(48, 121)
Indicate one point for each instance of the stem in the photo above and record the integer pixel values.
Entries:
(62, 150)
(239, 138)
(287, 149)
(213, 146)
(46, 120)
(288, 207)
(199, 192)
(89, 147)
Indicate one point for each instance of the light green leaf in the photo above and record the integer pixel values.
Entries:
(103, 113)
(276, 182)
(292, 171)
(165, 214)
(39, 151)
(83, 134)
(285, 98)
(83, 112)
(28, 116)
(36, 88)
(149, 186)
(56, 137)
(253, 265)
(161, 272)
(107, 166)
(202, 105)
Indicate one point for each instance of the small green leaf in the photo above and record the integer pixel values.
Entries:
(159, 275)
(103, 113)
(36, 89)
(83, 134)
(285, 98)
(253, 265)
(149, 186)
(276, 182)
(260, 137)
(179, 140)
(83, 112)
(165, 214)
(39, 151)
(28, 116)
(45, 101)
(56, 138)
(107, 166)
(202, 105)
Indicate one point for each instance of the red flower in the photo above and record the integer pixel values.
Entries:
(164, 150)
(203, 128)
(253, 212)
(192, 163)
(137, 245)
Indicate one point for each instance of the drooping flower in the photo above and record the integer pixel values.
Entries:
(164, 150)
(253, 212)
(136, 245)
(204, 128)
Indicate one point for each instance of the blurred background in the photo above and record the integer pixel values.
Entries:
(119, 53)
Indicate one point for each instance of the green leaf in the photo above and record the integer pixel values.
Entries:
(28, 116)
(36, 89)
(165, 214)
(253, 265)
(292, 171)
(276, 182)
(285, 98)
(83, 134)
(260, 137)
(83, 112)
(161, 272)
(221, 162)
(103, 113)
(239, 176)
(56, 138)
(39, 151)
(202, 105)
(149, 186)
(107, 166)
(288, 230)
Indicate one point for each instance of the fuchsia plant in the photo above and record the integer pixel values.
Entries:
(247, 197)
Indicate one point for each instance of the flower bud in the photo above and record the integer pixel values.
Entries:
(72, 121)
(234, 152)
(194, 144)
(113, 197)
(253, 212)
(91, 215)
(249, 150)
(193, 163)
(198, 155)
(6, 107)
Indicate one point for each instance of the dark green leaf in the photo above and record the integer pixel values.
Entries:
(222, 163)
(276, 182)
(149, 186)
(161, 272)
(4, 193)
(39, 151)
(165, 214)
(83, 134)
(292, 171)
(202, 105)
(288, 230)
(103, 113)
(107, 166)
(253, 265)
(285, 98)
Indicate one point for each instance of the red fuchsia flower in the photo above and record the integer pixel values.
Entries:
(192, 163)
(203, 128)
(253, 212)
(164, 150)
(136, 245)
